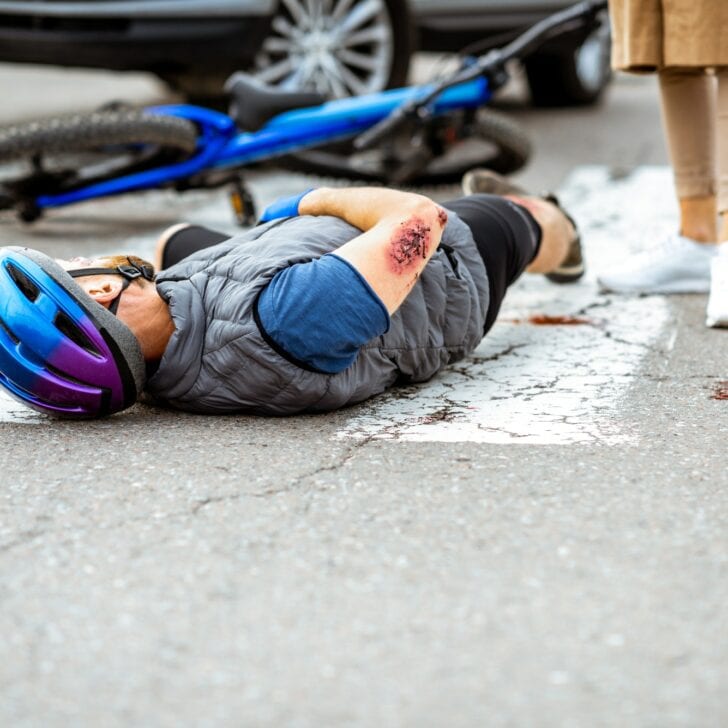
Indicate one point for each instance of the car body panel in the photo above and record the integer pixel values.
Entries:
(140, 8)
(163, 36)
(195, 44)
(449, 26)
(427, 7)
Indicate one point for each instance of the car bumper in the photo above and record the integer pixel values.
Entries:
(139, 9)
(165, 44)
(444, 27)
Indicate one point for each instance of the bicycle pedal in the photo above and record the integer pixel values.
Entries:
(243, 205)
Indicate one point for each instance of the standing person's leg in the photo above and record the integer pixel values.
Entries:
(681, 262)
(722, 153)
(689, 117)
(717, 311)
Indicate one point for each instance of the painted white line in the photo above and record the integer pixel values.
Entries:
(17, 413)
(550, 384)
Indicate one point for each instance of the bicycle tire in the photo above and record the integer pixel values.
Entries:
(508, 150)
(84, 132)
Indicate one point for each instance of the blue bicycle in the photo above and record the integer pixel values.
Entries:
(412, 135)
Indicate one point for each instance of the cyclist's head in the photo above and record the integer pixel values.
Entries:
(106, 278)
(61, 351)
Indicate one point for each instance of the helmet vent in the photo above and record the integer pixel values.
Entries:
(69, 329)
(12, 336)
(26, 286)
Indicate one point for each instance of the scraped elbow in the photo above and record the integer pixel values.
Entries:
(429, 212)
(415, 237)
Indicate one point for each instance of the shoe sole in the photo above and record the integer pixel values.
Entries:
(571, 275)
(496, 184)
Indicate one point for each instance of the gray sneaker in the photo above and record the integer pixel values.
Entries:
(485, 181)
(572, 267)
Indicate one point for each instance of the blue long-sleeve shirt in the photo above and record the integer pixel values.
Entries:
(321, 313)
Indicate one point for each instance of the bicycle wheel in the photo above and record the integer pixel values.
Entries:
(490, 140)
(61, 154)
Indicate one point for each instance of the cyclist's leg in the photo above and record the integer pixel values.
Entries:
(508, 239)
(179, 241)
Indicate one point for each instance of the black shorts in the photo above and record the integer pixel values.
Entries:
(507, 236)
(508, 239)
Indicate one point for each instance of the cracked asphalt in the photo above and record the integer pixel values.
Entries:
(163, 569)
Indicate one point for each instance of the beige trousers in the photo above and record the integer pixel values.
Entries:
(695, 115)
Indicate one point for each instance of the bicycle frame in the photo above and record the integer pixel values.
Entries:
(221, 145)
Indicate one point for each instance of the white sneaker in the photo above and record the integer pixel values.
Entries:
(716, 314)
(676, 265)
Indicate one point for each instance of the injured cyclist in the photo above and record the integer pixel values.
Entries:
(337, 295)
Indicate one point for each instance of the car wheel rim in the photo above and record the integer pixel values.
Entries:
(592, 59)
(336, 47)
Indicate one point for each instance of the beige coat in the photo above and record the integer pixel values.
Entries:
(652, 34)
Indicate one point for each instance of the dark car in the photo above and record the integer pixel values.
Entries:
(338, 47)
(571, 69)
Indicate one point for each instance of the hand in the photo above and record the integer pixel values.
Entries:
(283, 207)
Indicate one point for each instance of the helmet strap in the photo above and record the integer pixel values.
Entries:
(129, 273)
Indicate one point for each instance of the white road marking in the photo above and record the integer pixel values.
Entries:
(17, 413)
(527, 383)
(554, 384)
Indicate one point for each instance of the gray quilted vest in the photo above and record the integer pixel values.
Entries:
(218, 361)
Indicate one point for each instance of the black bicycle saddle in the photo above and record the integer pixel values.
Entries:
(253, 103)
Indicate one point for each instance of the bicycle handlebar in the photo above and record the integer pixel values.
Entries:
(549, 27)
(488, 65)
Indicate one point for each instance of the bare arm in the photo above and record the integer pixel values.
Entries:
(401, 231)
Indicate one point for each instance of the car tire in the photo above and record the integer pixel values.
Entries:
(575, 75)
(312, 65)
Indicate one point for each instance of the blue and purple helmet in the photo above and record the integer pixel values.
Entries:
(62, 353)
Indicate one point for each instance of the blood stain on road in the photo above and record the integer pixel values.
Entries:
(546, 320)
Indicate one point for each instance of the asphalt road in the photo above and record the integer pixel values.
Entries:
(164, 569)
